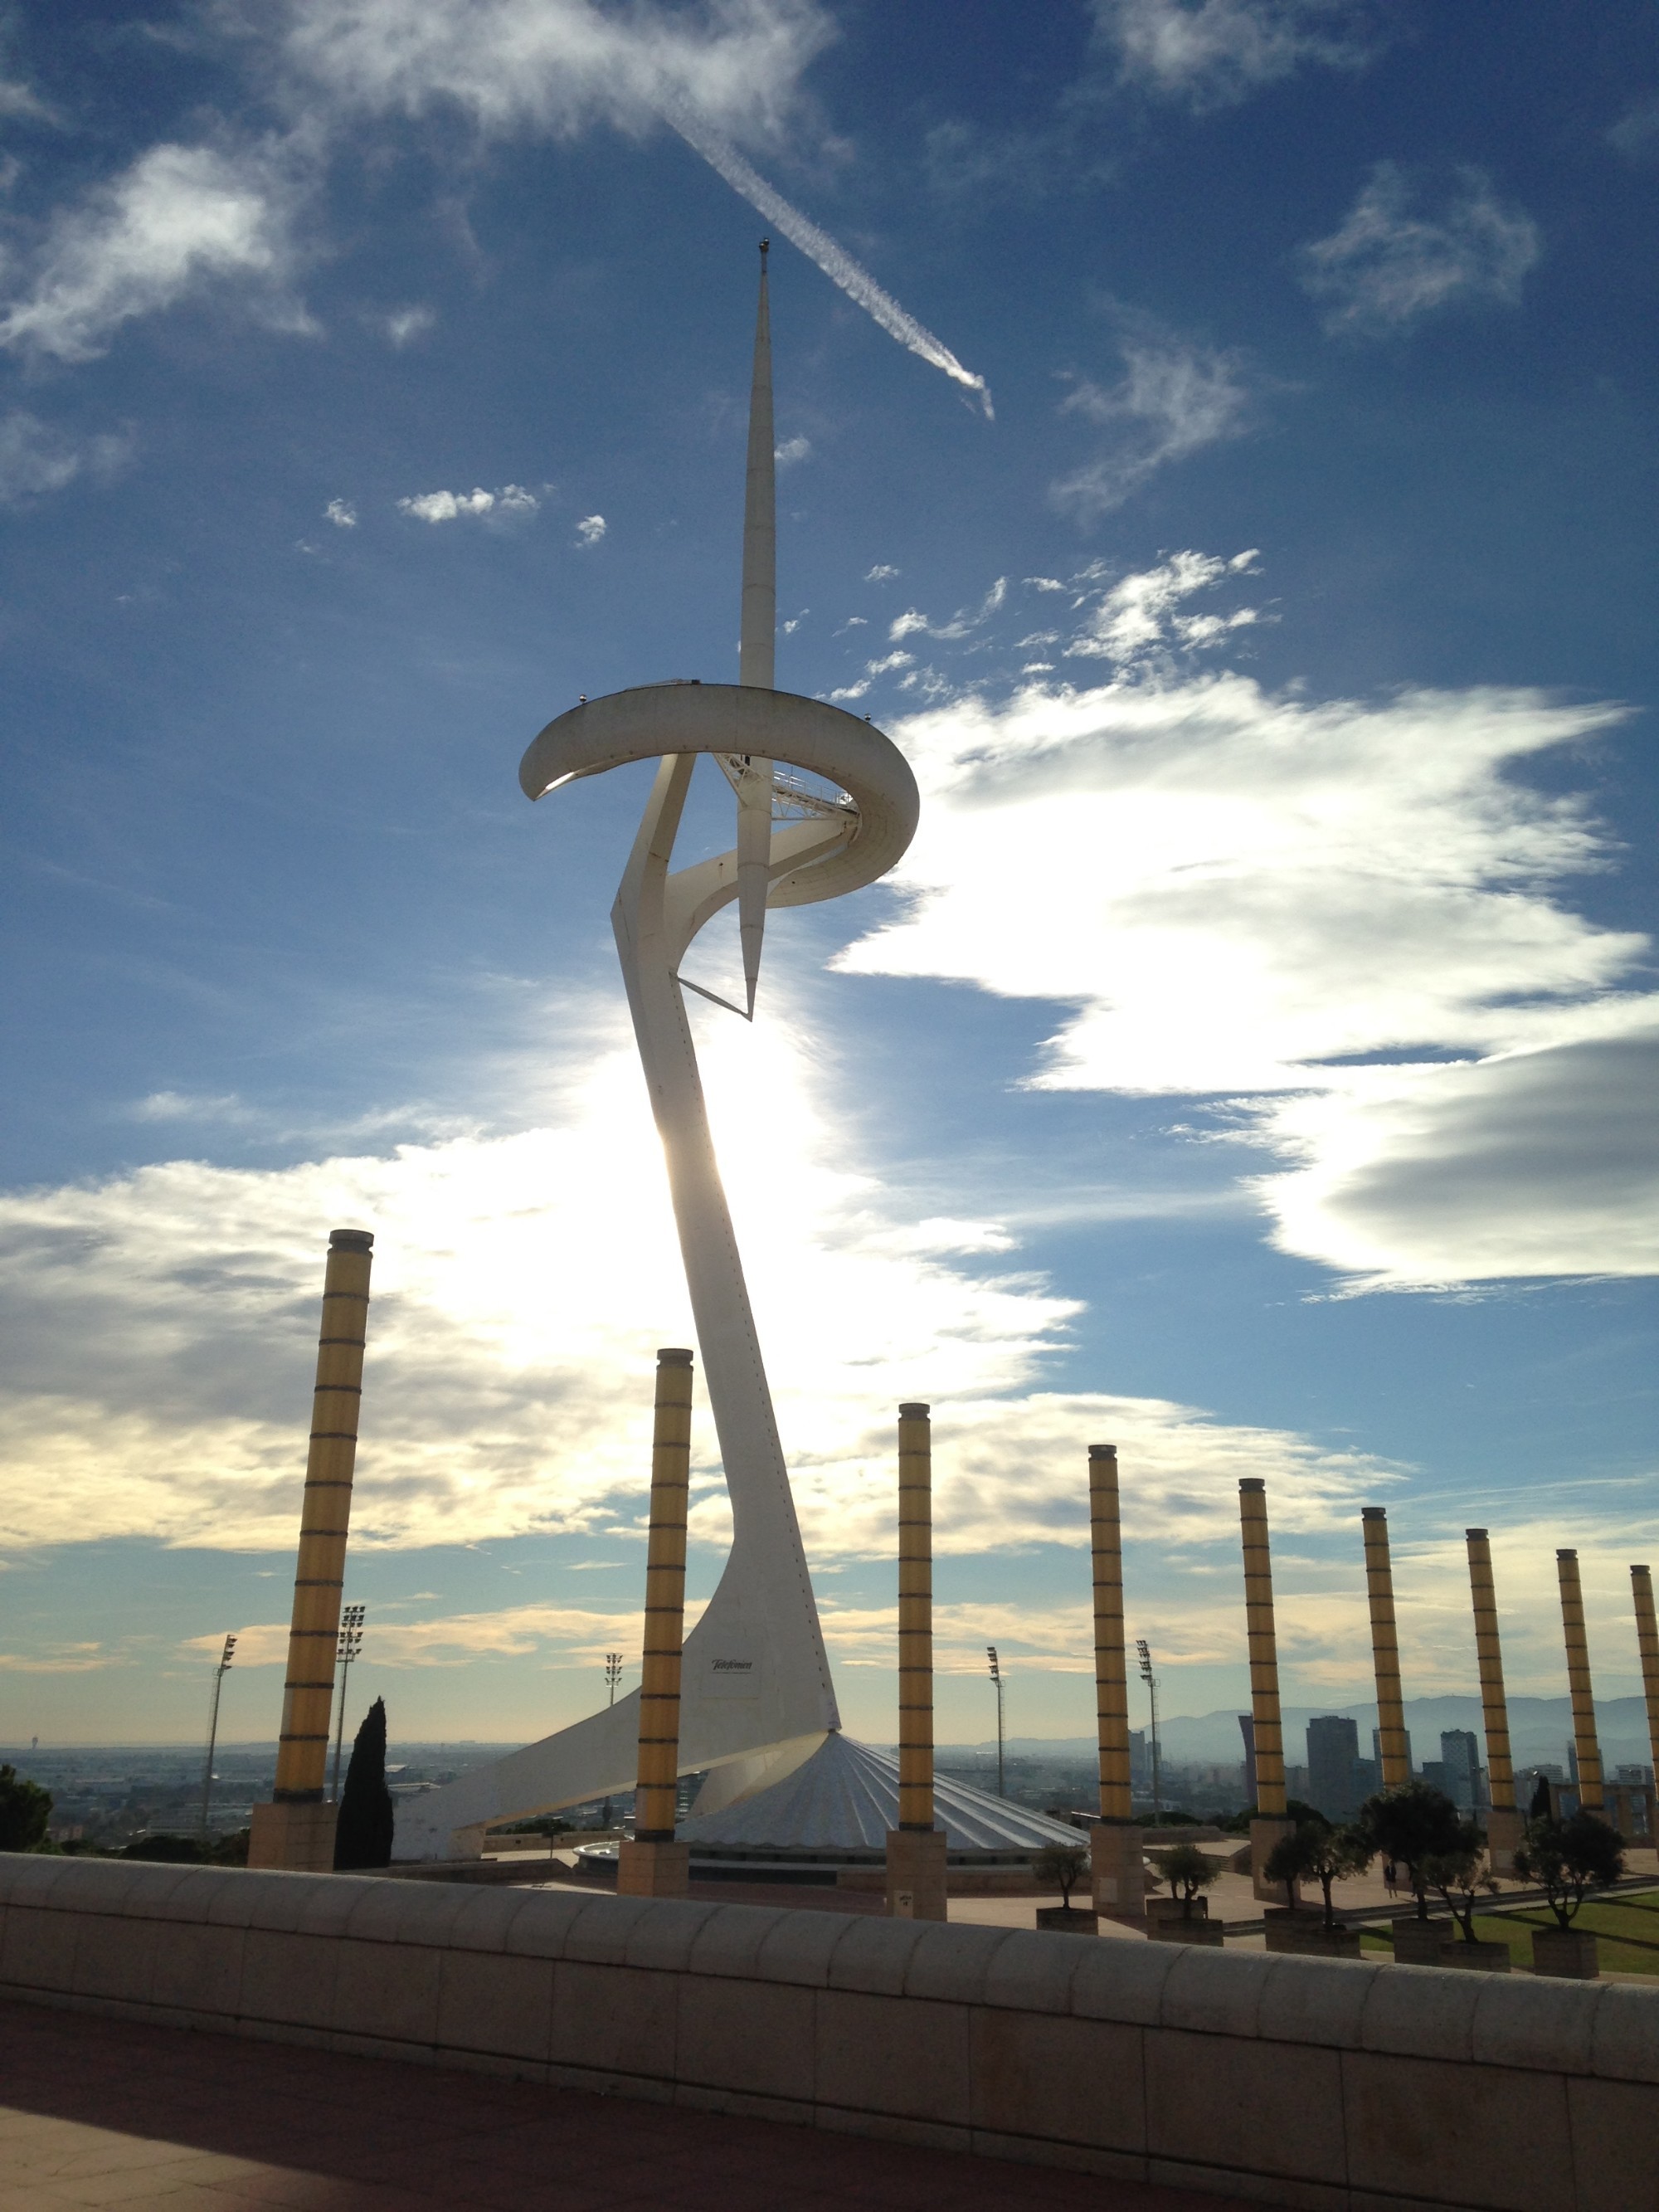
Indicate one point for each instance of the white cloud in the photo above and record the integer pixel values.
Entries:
(511, 502)
(186, 1106)
(961, 624)
(1212, 53)
(590, 529)
(404, 324)
(556, 65)
(881, 574)
(1635, 134)
(177, 217)
(1341, 918)
(1173, 399)
(1388, 263)
(794, 449)
(342, 513)
(160, 1327)
(36, 459)
(1139, 616)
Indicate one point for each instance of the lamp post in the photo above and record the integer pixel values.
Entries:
(996, 1676)
(1151, 1681)
(613, 1666)
(219, 1674)
(350, 1644)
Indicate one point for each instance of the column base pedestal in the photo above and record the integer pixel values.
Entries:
(1265, 1833)
(1117, 1871)
(296, 1839)
(915, 1874)
(1505, 1827)
(653, 1869)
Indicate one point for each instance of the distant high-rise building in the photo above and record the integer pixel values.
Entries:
(1334, 1766)
(1459, 1756)
(1140, 1765)
(1376, 1750)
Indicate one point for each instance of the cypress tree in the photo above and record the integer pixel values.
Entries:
(362, 1835)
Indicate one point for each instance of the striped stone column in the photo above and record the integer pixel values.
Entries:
(1271, 1821)
(1578, 1682)
(1117, 1861)
(1647, 1640)
(916, 1848)
(1504, 1816)
(1385, 1648)
(297, 1830)
(651, 1863)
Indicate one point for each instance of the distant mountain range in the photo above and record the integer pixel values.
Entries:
(1541, 1729)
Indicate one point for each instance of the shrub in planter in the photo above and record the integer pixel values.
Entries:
(1060, 1866)
(1410, 1824)
(1187, 1871)
(1567, 1859)
(1315, 1851)
(1458, 1875)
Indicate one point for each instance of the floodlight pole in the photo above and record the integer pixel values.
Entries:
(219, 1674)
(996, 1676)
(1151, 1681)
(613, 1666)
(350, 1645)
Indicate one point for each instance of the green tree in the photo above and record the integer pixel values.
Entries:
(1459, 1874)
(1315, 1851)
(362, 1835)
(1060, 1867)
(1187, 1870)
(25, 1810)
(1410, 1823)
(1566, 1858)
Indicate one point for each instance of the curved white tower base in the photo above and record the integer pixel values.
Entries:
(756, 1698)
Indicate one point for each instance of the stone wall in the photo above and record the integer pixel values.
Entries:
(1303, 2082)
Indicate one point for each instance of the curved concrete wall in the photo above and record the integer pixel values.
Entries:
(1306, 2082)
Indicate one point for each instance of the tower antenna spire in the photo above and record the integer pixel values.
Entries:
(757, 641)
(760, 517)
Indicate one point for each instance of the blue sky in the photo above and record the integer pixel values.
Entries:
(1253, 1060)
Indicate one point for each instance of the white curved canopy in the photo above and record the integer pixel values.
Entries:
(658, 720)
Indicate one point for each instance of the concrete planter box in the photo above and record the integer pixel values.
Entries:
(1417, 1943)
(1477, 1958)
(1568, 1954)
(1212, 1932)
(1306, 1936)
(1081, 1920)
(1169, 1908)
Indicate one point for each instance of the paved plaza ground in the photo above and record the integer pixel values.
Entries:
(98, 2112)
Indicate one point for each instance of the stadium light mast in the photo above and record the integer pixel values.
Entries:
(1151, 1681)
(350, 1645)
(996, 1676)
(219, 1674)
(613, 1666)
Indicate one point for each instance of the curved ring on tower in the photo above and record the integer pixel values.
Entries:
(879, 808)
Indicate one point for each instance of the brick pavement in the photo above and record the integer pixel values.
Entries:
(97, 2113)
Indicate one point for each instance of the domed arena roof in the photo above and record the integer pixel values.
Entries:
(845, 1798)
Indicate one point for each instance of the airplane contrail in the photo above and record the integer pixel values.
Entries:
(837, 264)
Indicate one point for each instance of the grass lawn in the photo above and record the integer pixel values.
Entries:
(1607, 1919)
